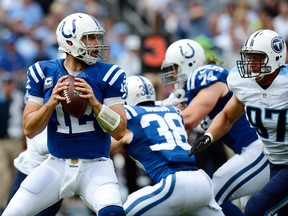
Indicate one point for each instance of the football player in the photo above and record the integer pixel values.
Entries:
(80, 162)
(207, 92)
(35, 153)
(259, 86)
(156, 138)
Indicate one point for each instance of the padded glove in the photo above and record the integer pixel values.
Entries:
(201, 143)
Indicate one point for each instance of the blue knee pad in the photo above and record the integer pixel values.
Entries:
(112, 211)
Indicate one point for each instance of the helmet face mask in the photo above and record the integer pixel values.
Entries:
(139, 90)
(92, 51)
(77, 35)
(253, 64)
(187, 55)
(263, 52)
(172, 75)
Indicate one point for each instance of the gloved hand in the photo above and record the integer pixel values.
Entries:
(175, 97)
(201, 143)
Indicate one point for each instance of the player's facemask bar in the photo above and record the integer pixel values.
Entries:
(92, 52)
(253, 67)
(170, 75)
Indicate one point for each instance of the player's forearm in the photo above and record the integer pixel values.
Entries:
(119, 132)
(193, 117)
(111, 119)
(35, 122)
(125, 140)
(116, 145)
(219, 126)
(224, 120)
(191, 121)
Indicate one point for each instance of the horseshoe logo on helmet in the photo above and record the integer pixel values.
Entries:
(185, 55)
(73, 29)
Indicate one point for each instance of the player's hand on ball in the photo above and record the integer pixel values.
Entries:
(73, 104)
(87, 92)
(56, 93)
(200, 144)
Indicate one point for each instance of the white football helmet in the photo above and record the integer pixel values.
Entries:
(70, 32)
(267, 43)
(187, 55)
(139, 89)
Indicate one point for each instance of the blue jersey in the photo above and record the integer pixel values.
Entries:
(241, 133)
(160, 140)
(69, 137)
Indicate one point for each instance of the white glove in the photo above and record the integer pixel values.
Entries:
(175, 97)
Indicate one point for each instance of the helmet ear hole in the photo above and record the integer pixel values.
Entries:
(277, 58)
(70, 43)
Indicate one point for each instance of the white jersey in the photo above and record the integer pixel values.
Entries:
(35, 153)
(266, 110)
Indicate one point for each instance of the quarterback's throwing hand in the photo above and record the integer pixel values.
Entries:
(200, 144)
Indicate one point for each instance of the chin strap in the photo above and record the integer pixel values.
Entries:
(108, 119)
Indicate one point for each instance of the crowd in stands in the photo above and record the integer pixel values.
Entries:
(27, 27)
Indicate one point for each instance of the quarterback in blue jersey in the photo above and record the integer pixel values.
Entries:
(79, 161)
(207, 93)
(259, 86)
(156, 138)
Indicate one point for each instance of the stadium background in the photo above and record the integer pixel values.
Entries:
(139, 33)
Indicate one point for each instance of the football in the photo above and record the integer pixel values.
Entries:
(73, 104)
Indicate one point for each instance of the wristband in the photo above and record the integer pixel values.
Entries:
(108, 119)
(210, 135)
